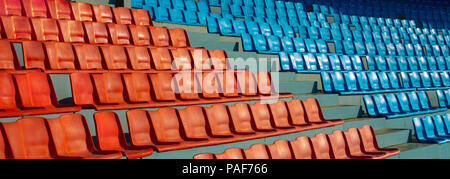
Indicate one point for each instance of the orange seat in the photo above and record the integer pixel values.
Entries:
(161, 58)
(162, 86)
(231, 153)
(186, 85)
(181, 59)
(72, 30)
(109, 88)
(59, 9)
(219, 59)
(10, 8)
(46, 29)
(297, 112)
(302, 148)
(8, 92)
(122, 15)
(34, 89)
(193, 123)
(166, 125)
(96, 32)
(265, 85)
(35, 8)
(204, 156)
(89, 57)
(139, 127)
(137, 87)
(218, 120)
(8, 59)
(3, 148)
(71, 137)
(160, 36)
(371, 145)
(178, 38)
(110, 136)
(82, 89)
(119, 34)
(141, 17)
(280, 149)
(209, 84)
(17, 27)
(338, 145)
(103, 13)
(60, 55)
(356, 147)
(82, 11)
(280, 114)
(241, 118)
(139, 34)
(139, 57)
(256, 151)
(321, 146)
(33, 55)
(246, 83)
(228, 83)
(115, 57)
(261, 116)
(201, 59)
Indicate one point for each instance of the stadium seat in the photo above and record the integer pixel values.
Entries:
(119, 34)
(122, 15)
(141, 17)
(140, 34)
(82, 11)
(8, 59)
(103, 13)
(17, 27)
(10, 8)
(59, 9)
(96, 32)
(425, 132)
(72, 31)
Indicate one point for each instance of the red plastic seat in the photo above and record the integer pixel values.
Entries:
(10, 8)
(33, 55)
(141, 17)
(59, 9)
(193, 123)
(218, 120)
(370, 142)
(256, 151)
(72, 31)
(122, 15)
(82, 11)
(231, 153)
(8, 59)
(160, 36)
(71, 137)
(119, 34)
(3, 151)
(201, 59)
(356, 147)
(247, 83)
(139, 34)
(17, 27)
(297, 112)
(139, 128)
(219, 59)
(161, 58)
(204, 156)
(82, 89)
(34, 89)
(181, 59)
(115, 57)
(321, 146)
(35, 8)
(280, 149)
(338, 145)
(241, 118)
(265, 86)
(261, 116)
(280, 114)
(89, 57)
(209, 84)
(186, 85)
(166, 125)
(103, 13)
(228, 83)
(96, 32)
(302, 148)
(137, 87)
(162, 86)
(8, 92)
(46, 29)
(179, 38)
(60, 55)
(139, 58)
(110, 136)
(109, 88)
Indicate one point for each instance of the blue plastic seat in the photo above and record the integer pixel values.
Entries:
(191, 18)
(178, 4)
(273, 43)
(406, 81)
(425, 79)
(393, 104)
(265, 29)
(441, 129)
(403, 101)
(299, 44)
(414, 101)
(386, 37)
(202, 6)
(435, 79)
(247, 42)
(277, 30)
(413, 64)
(338, 81)
(414, 38)
(400, 49)
(349, 47)
(310, 62)
(428, 50)
(418, 50)
(326, 82)
(432, 63)
(161, 14)
(430, 131)
(381, 48)
(423, 39)
(370, 105)
(313, 32)
(336, 33)
(303, 32)
(409, 50)
(371, 65)
(311, 45)
(347, 34)
(391, 50)
(442, 101)
(371, 49)
(335, 62)
(421, 135)
(415, 79)
(381, 63)
(377, 37)
(165, 4)
(213, 27)
(392, 63)
(381, 104)
(384, 80)
(373, 81)
(346, 62)
(445, 51)
(297, 61)
(436, 50)
(360, 48)
(367, 35)
(288, 31)
(252, 27)
(191, 5)
(357, 63)
(441, 63)
(363, 81)
(137, 3)
(236, 10)
(225, 26)
(287, 44)
(285, 62)
(423, 63)
(323, 61)
(338, 47)
(325, 33)
(322, 46)
(351, 83)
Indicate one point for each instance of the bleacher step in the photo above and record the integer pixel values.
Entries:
(297, 86)
(388, 137)
(416, 150)
(324, 99)
(337, 111)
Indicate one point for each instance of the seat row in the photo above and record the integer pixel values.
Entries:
(164, 129)
(190, 5)
(425, 80)
(361, 82)
(43, 29)
(355, 143)
(399, 105)
(432, 129)
(177, 16)
(409, 63)
(315, 63)
(79, 11)
(61, 57)
(236, 27)
(109, 91)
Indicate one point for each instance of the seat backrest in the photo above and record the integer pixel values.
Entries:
(338, 145)
(139, 58)
(440, 126)
(166, 125)
(10, 8)
(231, 153)
(161, 58)
(241, 118)
(302, 148)
(139, 127)
(109, 88)
(280, 149)
(72, 31)
(45, 29)
(193, 122)
(419, 129)
(82, 11)
(115, 57)
(162, 86)
(179, 38)
(122, 15)
(160, 36)
(103, 13)
(218, 121)
(82, 88)
(321, 146)
(88, 56)
(34, 55)
(8, 58)
(140, 34)
(354, 142)
(35, 8)
(141, 17)
(257, 151)
(59, 9)
(119, 34)
(60, 55)
(313, 110)
(35, 89)
(97, 32)
(137, 87)
(17, 27)
(110, 136)
(8, 92)
(429, 127)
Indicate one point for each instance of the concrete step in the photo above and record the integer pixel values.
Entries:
(388, 136)
(324, 99)
(341, 111)
(297, 87)
(415, 150)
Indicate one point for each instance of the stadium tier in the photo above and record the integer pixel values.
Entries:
(224, 79)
